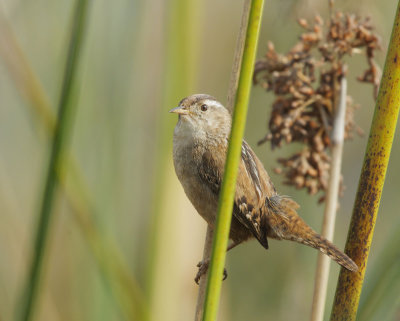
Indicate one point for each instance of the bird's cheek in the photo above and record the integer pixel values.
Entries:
(211, 123)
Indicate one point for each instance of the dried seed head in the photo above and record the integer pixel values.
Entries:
(306, 82)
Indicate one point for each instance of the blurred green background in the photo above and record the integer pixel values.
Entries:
(139, 59)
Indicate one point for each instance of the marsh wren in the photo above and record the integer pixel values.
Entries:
(199, 151)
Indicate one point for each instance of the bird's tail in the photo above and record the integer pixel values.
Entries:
(285, 223)
(322, 244)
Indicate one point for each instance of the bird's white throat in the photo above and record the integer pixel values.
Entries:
(186, 132)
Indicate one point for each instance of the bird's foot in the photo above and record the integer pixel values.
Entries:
(203, 267)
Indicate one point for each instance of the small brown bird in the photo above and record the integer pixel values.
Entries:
(200, 146)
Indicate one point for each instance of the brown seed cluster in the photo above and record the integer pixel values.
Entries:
(306, 83)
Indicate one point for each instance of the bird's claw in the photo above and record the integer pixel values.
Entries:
(203, 267)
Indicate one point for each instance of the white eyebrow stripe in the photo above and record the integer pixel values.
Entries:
(212, 102)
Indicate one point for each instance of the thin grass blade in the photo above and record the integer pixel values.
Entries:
(65, 113)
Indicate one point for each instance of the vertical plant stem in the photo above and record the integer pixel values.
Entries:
(58, 144)
(237, 59)
(328, 225)
(124, 286)
(371, 182)
(179, 74)
(225, 205)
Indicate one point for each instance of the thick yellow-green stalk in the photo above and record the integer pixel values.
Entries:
(225, 206)
(371, 182)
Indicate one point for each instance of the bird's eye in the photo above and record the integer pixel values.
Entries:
(204, 107)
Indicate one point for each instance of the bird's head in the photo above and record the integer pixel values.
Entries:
(201, 115)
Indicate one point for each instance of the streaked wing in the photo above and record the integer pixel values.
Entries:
(249, 204)
(209, 173)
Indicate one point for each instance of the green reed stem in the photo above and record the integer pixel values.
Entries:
(65, 113)
(112, 264)
(225, 205)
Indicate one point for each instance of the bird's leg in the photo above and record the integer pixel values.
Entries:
(203, 265)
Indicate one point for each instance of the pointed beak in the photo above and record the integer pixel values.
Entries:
(179, 110)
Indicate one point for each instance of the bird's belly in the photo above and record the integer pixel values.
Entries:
(200, 195)
(202, 198)
(206, 203)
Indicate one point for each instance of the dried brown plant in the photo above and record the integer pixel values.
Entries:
(306, 83)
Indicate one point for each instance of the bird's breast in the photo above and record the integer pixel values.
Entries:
(186, 162)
